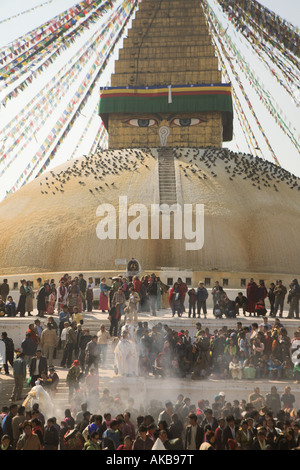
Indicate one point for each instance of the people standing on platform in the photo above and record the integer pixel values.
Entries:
(201, 295)
(152, 294)
(174, 300)
(114, 318)
(294, 299)
(217, 292)
(137, 284)
(104, 296)
(183, 289)
(132, 308)
(103, 341)
(29, 298)
(82, 288)
(62, 296)
(28, 348)
(120, 299)
(4, 290)
(73, 296)
(52, 300)
(9, 352)
(271, 297)
(280, 292)
(252, 296)
(85, 338)
(22, 299)
(38, 365)
(92, 354)
(159, 293)
(19, 373)
(192, 302)
(63, 317)
(72, 378)
(42, 299)
(49, 342)
(89, 295)
(71, 338)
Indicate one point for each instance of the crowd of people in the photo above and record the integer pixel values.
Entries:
(259, 422)
(258, 350)
(132, 295)
(261, 350)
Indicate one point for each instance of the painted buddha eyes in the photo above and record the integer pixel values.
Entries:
(142, 122)
(185, 122)
(179, 122)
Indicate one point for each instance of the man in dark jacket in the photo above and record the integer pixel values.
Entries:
(28, 348)
(82, 287)
(4, 290)
(115, 317)
(194, 434)
(271, 297)
(229, 431)
(201, 296)
(240, 302)
(42, 299)
(38, 364)
(142, 442)
(209, 419)
(9, 351)
(280, 292)
(51, 437)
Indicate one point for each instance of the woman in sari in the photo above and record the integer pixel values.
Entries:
(104, 292)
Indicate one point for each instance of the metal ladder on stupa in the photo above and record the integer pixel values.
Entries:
(167, 176)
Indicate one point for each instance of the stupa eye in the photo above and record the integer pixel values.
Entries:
(186, 122)
(142, 122)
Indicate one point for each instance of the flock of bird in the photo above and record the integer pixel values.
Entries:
(93, 170)
(259, 172)
(98, 172)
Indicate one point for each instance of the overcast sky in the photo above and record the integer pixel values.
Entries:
(287, 9)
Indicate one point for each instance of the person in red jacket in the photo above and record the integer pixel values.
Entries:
(127, 444)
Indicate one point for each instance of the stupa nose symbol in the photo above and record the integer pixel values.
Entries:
(163, 133)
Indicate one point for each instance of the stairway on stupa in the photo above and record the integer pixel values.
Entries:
(167, 177)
